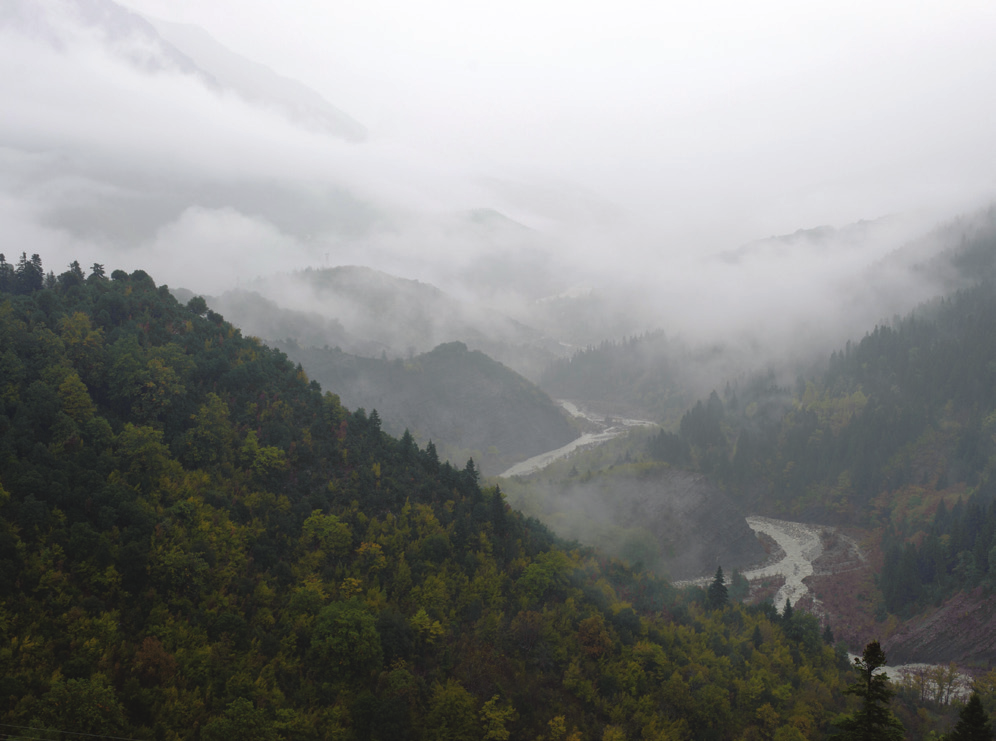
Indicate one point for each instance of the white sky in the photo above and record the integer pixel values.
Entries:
(636, 140)
(711, 122)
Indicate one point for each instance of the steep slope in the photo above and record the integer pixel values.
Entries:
(962, 629)
(467, 404)
(895, 436)
(195, 543)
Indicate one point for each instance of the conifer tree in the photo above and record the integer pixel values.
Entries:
(6, 274)
(873, 720)
(973, 722)
(718, 596)
(828, 635)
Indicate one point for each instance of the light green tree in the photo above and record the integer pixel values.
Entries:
(345, 640)
(452, 713)
(494, 718)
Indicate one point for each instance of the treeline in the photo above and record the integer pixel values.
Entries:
(197, 543)
(643, 372)
(957, 551)
(909, 406)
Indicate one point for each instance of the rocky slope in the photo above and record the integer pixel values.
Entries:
(963, 630)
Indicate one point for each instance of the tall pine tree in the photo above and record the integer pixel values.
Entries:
(873, 721)
(718, 595)
(973, 722)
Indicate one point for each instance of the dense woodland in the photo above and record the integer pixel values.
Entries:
(897, 433)
(650, 375)
(196, 542)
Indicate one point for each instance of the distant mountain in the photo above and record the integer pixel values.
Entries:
(157, 47)
(125, 140)
(260, 317)
(467, 404)
(405, 316)
(124, 34)
(858, 236)
(650, 374)
(258, 84)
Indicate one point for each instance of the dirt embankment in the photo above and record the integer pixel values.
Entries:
(962, 630)
(844, 590)
(838, 584)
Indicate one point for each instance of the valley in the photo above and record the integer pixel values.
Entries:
(605, 428)
(220, 450)
(389, 373)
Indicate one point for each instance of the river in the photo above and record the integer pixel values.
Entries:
(610, 427)
(802, 545)
(800, 542)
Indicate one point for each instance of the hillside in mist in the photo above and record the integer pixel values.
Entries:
(666, 519)
(465, 403)
(168, 171)
(663, 372)
(196, 542)
(404, 316)
(154, 47)
(893, 436)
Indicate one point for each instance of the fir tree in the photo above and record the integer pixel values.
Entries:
(718, 596)
(873, 720)
(828, 635)
(973, 722)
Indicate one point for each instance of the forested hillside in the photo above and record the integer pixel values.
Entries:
(671, 521)
(639, 375)
(197, 543)
(897, 436)
(907, 409)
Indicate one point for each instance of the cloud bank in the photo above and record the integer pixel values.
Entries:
(510, 155)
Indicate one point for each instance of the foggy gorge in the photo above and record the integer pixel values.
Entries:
(573, 360)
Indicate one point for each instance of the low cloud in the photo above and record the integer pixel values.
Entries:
(144, 166)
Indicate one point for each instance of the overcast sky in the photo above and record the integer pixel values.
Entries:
(634, 142)
(713, 122)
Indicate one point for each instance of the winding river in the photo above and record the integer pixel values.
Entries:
(611, 427)
(801, 545)
(799, 542)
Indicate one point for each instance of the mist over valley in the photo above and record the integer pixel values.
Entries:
(440, 372)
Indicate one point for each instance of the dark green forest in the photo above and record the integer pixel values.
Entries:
(899, 434)
(196, 542)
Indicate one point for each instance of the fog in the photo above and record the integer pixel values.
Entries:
(508, 152)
